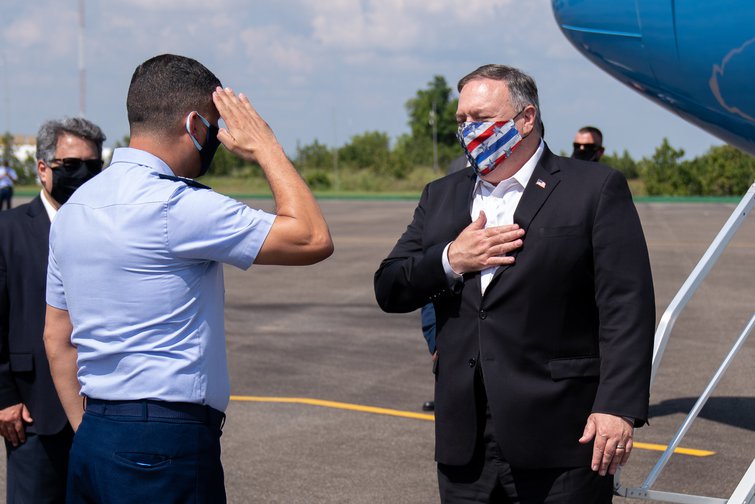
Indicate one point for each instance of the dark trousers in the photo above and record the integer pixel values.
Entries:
(146, 451)
(6, 195)
(37, 468)
(489, 478)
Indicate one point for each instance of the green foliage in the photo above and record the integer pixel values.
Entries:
(314, 156)
(431, 106)
(624, 163)
(225, 163)
(420, 110)
(418, 151)
(318, 180)
(665, 174)
(724, 171)
(26, 169)
(370, 150)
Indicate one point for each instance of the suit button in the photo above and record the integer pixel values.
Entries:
(483, 314)
(471, 362)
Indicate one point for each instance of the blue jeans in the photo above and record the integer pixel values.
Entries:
(121, 457)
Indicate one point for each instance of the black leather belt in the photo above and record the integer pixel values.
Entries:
(148, 409)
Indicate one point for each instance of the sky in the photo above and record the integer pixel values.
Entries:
(321, 70)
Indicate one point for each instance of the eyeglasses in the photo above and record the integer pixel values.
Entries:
(73, 165)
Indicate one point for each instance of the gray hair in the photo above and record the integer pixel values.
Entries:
(522, 87)
(50, 132)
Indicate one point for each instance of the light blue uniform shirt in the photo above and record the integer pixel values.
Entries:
(136, 261)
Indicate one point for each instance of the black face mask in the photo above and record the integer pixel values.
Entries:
(211, 144)
(70, 175)
(209, 148)
(586, 152)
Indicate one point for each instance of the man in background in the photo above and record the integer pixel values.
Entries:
(588, 144)
(32, 421)
(7, 177)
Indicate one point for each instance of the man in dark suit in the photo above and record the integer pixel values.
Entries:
(539, 273)
(32, 421)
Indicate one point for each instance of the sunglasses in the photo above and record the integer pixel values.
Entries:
(73, 165)
(590, 146)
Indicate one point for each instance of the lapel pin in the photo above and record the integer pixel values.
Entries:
(540, 183)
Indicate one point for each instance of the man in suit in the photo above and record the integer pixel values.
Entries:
(32, 421)
(539, 273)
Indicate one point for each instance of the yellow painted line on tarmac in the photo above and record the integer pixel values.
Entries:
(683, 451)
(424, 416)
(337, 405)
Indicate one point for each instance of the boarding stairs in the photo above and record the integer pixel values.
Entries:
(745, 490)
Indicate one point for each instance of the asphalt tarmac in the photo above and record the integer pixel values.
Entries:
(315, 338)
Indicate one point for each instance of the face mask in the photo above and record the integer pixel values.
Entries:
(211, 143)
(586, 152)
(71, 175)
(488, 144)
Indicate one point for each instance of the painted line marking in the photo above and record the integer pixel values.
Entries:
(424, 416)
(336, 405)
(684, 451)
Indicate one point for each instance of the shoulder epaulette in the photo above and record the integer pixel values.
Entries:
(189, 182)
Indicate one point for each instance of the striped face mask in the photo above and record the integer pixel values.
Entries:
(488, 144)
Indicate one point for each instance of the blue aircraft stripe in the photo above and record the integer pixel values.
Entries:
(601, 32)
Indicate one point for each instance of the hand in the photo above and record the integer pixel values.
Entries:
(613, 441)
(246, 134)
(477, 248)
(12, 421)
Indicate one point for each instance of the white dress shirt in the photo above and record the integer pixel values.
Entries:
(499, 203)
(51, 210)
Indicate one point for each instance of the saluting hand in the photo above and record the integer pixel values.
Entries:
(478, 247)
(246, 134)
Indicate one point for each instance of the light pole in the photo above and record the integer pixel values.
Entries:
(433, 120)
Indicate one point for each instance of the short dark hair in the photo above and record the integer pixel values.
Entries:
(50, 131)
(164, 89)
(522, 87)
(597, 136)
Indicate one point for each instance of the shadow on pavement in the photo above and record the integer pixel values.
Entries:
(734, 411)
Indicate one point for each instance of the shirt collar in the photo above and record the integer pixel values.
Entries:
(522, 176)
(51, 210)
(142, 158)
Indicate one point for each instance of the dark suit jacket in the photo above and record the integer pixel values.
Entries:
(24, 370)
(565, 331)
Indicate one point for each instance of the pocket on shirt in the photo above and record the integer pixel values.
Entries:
(574, 367)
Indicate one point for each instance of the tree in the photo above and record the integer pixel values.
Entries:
(421, 117)
(314, 156)
(724, 171)
(368, 150)
(665, 174)
(25, 169)
(624, 163)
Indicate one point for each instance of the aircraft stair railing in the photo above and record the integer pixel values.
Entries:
(745, 490)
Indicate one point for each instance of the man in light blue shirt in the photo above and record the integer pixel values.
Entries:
(7, 177)
(135, 300)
